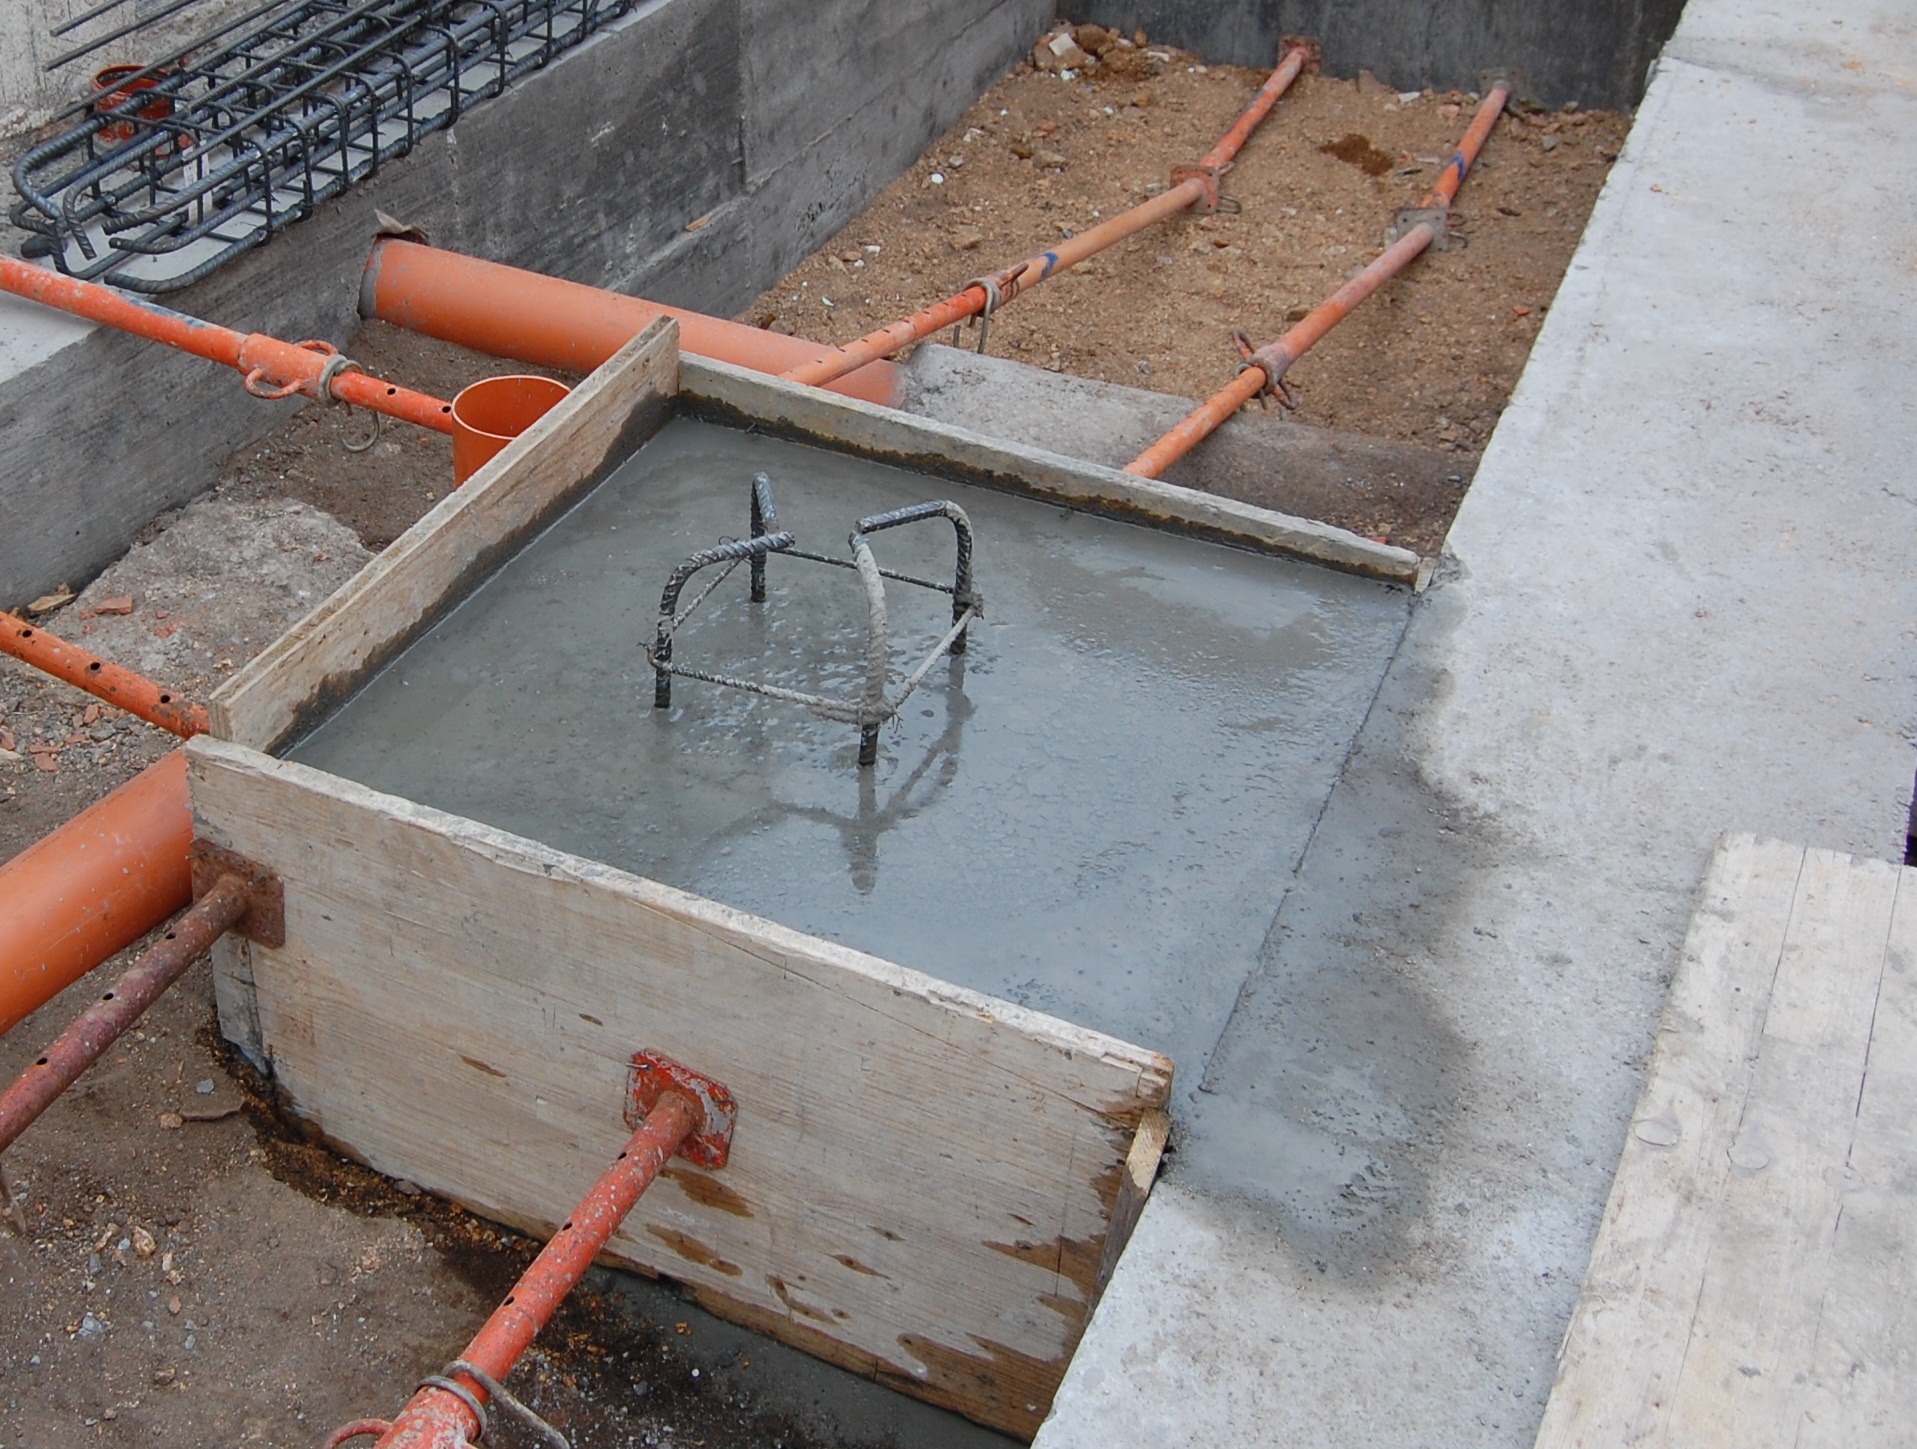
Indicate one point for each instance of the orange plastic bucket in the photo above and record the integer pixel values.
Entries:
(492, 412)
(111, 93)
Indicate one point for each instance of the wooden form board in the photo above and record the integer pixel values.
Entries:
(884, 433)
(1754, 1282)
(928, 1186)
(923, 1179)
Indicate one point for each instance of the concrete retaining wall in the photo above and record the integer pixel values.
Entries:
(777, 122)
(1594, 52)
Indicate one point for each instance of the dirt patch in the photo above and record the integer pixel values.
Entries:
(1431, 359)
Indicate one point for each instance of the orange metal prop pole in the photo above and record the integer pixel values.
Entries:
(1267, 366)
(548, 322)
(93, 887)
(1193, 184)
(134, 693)
(272, 368)
(439, 1419)
(102, 1024)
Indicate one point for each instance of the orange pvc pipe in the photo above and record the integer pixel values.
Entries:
(975, 297)
(548, 322)
(272, 368)
(1267, 366)
(134, 693)
(94, 886)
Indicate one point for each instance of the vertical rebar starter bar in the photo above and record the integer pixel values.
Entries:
(874, 706)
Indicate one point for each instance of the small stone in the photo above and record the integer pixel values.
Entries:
(937, 178)
(143, 1243)
(1066, 52)
(117, 604)
(163, 1377)
(406, 1187)
(173, 1305)
(92, 1328)
(204, 1087)
(47, 603)
(172, 1121)
(1051, 160)
(1022, 150)
(967, 238)
(849, 256)
(1549, 143)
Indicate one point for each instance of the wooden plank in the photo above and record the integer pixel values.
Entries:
(923, 1180)
(1747, 1360)
(1775, 1307)
(1863, 1380)
(453, 547)
(1618, 1367)
(1141, 1171)
(738, 394)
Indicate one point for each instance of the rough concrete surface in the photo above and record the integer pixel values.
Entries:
(1678, 601)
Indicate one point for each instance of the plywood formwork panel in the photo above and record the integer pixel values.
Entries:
(1752, 1279)
(923, 1179)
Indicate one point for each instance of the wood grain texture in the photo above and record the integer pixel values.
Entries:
(924, 1179)
(431, 566)
(736, 393)
(1752, 1277)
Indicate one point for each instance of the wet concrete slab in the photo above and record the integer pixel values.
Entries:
(1095, 812)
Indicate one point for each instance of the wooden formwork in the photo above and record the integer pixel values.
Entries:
(927, 1185)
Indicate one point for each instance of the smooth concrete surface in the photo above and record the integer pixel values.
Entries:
(1091, 813)
(686, 111)
(1679, 600)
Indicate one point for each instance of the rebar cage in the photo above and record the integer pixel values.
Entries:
(176, 166)
(876, 703)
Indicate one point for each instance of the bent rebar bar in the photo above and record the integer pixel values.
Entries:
(875, 704)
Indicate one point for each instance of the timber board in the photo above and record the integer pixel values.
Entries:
(1755, 1270)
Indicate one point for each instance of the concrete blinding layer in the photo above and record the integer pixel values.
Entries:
(930, 1182)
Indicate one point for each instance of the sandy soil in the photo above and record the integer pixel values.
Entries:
(1431, 359)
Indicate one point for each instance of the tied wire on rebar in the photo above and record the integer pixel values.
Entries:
(214, 147)
(877, 703)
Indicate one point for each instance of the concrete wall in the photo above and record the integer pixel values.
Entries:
(779, 122)
(1594, 52)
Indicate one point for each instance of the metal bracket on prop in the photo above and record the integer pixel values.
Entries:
(1199, 171)
(264, 923)
(651, 1076)
(1438, 218)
